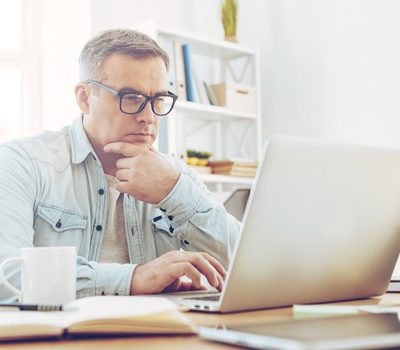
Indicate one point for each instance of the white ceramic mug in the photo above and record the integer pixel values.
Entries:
(48, 275)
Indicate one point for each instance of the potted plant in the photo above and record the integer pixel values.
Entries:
(197, 158)
(229, 18)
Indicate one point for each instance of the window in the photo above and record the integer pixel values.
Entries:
(10, 107)
(18, 69)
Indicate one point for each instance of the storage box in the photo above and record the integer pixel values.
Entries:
(236, 96)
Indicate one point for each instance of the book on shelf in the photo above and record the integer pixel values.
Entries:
(210, 94)
(106, 315)
(201, 89)
(180, 80)
(234, 167)
(234, 161)
(191, 92)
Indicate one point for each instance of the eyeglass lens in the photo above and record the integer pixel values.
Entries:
(132, 103)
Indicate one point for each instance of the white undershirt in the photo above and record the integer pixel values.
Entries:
(114, 247)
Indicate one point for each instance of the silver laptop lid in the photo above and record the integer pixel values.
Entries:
(322, 224)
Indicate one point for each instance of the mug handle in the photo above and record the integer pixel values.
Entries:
(3, 279)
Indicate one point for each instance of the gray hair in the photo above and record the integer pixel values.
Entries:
(116, 41)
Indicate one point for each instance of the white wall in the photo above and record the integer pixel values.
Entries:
(329, 68)
(201, 16)
(66, 26)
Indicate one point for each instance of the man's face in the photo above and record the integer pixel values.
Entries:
(104, 121)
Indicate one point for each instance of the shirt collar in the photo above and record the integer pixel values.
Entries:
(80, 145)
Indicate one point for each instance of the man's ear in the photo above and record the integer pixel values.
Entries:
(82, 97)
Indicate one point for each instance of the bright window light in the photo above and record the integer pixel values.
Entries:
(11, 101)
(10, 25)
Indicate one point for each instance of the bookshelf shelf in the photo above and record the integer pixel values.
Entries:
(209, 47)
(214, 178)
(209, 112)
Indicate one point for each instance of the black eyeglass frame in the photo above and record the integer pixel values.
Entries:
(123, 92)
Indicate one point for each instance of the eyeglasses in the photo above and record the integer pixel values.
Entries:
(131, 102)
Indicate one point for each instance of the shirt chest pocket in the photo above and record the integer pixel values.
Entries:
(56, 226)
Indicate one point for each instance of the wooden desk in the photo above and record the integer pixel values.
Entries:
(185, 342)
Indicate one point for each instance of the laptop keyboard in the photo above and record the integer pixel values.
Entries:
(214, 297)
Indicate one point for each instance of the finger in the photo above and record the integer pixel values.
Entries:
(123, 187)
(125, 163)
(201, 263)
(187, 269)
(181, 286)
(127, 149)
(173, 287)
(187, 286)
(123, 174)
(214, 262)
(203, 266)
(220, 283)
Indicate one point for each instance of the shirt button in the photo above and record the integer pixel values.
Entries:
(99, 228)
(58, 224)
(101, 191)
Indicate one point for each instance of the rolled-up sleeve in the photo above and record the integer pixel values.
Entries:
(103, 278)
(202, 222)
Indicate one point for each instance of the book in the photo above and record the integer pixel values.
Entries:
(200, 88)
(232, 167)
(210, 94)
(179, 71)
(191, 92)
(98, 315)
(242, 173)
(234, 161)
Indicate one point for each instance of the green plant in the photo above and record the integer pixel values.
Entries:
(228, 17)
(204, 155)
(190, 153)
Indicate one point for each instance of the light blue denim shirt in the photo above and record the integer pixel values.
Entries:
(53, 192)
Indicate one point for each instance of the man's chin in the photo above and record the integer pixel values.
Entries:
(144, 141)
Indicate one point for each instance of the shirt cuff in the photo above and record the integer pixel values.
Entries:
(113, 279)
(185, 200)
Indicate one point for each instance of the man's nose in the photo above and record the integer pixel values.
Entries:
(146, 115)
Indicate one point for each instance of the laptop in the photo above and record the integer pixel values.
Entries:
(322, 224)
(394, 286)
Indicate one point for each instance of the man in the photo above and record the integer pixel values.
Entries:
(140, 220)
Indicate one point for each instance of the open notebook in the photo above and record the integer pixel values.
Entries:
(98, 315)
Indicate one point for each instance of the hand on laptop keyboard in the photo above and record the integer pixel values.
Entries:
(204, 282)
(163, 274)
